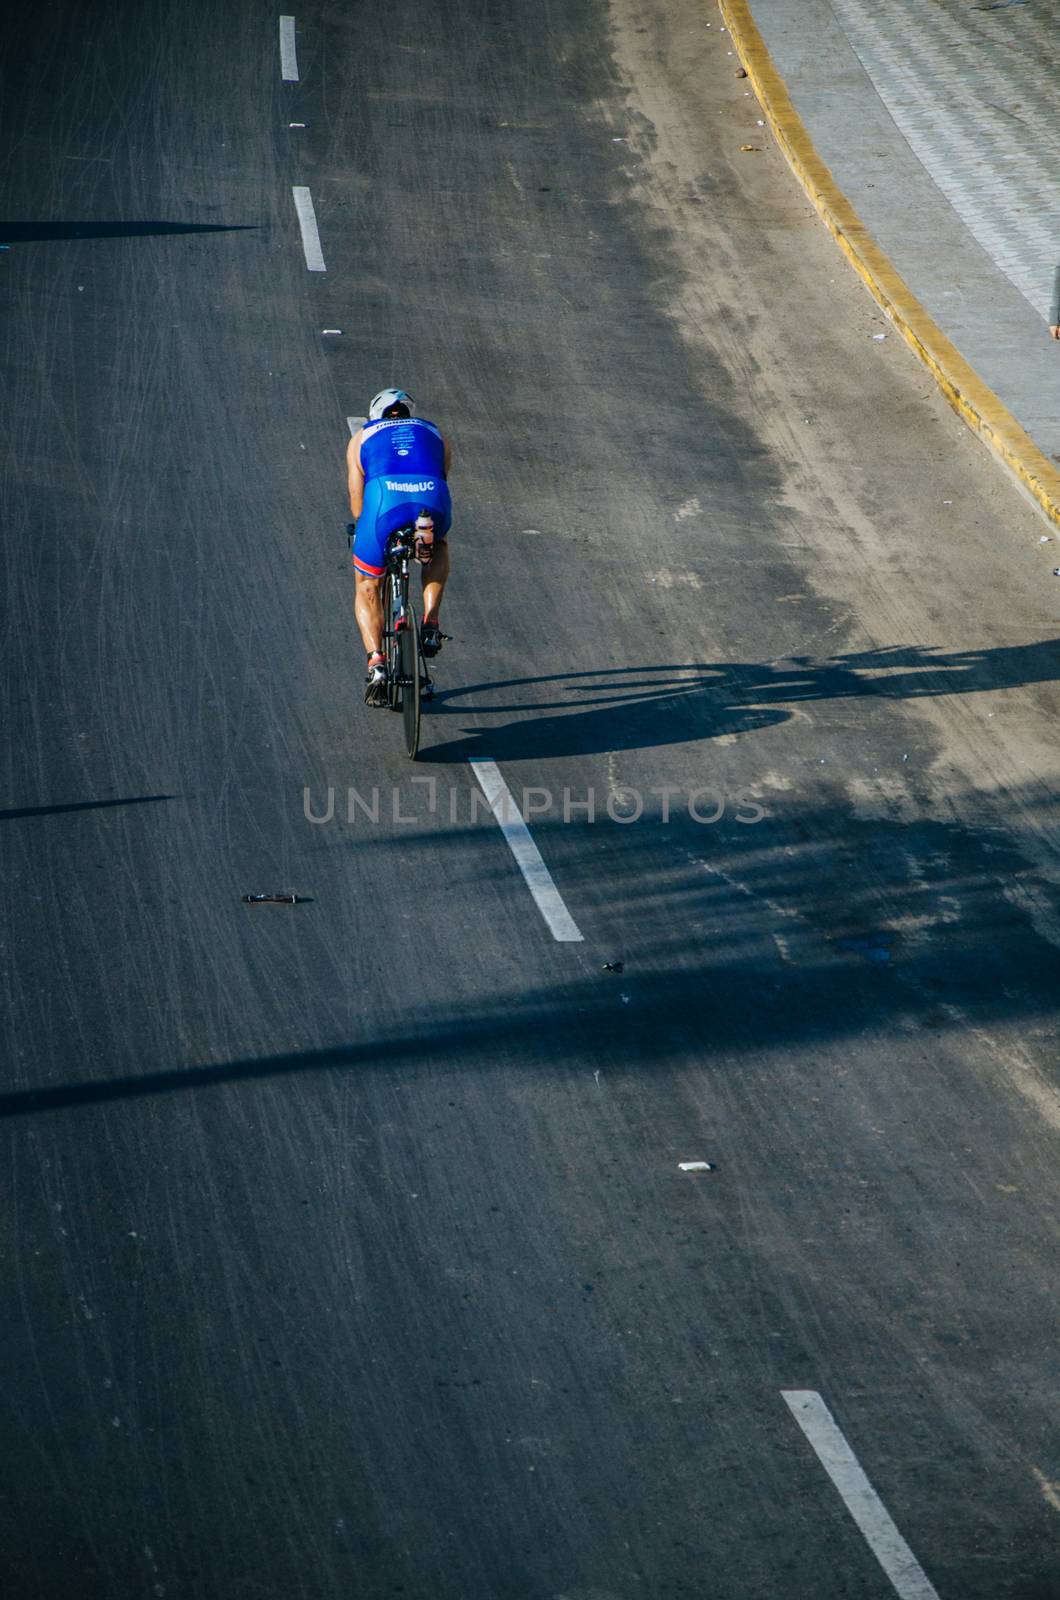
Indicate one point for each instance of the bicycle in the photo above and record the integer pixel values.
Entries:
(408, 683)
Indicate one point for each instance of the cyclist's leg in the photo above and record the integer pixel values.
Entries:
(368, 610)
(436, 570)
(369, 560)
(435, 575)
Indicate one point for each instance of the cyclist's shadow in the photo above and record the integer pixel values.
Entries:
(587, 713)
(635, 708)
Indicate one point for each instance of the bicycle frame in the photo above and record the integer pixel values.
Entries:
(408, 683)
(400, 554)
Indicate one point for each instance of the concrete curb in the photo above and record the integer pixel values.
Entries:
(966, 392)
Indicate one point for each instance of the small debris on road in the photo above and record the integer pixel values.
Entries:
(696, 1166)
(274, 899)
(331, 330)
(741, 72)
(613, 966)
(757, 147)
(1044, 539)
(879, 336)
(1056, 572)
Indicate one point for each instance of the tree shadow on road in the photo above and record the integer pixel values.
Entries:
(15, 813)
(28, 232)
(738, 946)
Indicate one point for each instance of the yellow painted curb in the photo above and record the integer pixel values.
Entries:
(974, 400)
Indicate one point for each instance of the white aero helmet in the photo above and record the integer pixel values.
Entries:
(387, 398)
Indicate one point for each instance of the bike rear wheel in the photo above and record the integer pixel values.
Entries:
(391, 610)
(410, 667)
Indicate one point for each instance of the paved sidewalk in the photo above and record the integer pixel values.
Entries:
(940, 121)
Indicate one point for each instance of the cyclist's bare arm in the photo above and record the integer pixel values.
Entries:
(354, 474)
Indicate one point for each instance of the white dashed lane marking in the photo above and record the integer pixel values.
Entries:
(288, 53)
(527, 856)
(307, 221)
(908, 1577)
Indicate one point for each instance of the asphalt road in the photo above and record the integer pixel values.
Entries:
(346, 1248)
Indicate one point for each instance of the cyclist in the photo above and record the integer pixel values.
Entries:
(397, 466)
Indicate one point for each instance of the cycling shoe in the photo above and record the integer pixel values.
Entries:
(431, 637)
(375, 684)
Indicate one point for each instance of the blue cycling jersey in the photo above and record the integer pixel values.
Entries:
(403, 461)
(402, 447)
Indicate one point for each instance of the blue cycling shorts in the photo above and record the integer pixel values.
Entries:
(390, 504)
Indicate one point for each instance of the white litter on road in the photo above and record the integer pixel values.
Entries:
(696, 1166)
(307, 221)
(288, 53)
(907, 1576)
(527, 856)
